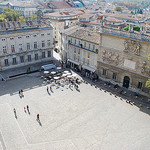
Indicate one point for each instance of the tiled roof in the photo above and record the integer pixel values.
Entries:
(60, 5)
(86, 15)
(17, 25)
(112, 19)
(86, 35)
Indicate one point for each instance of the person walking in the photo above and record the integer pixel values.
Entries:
(15, 113)
(37, 116)
(22, 93)
(25, 110)
(50, 88)
(47, 88)
(28, 109)
(19, 92)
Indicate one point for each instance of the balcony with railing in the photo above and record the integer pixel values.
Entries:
(82, 47)
(126, 34)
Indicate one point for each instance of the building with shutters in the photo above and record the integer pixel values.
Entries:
(23, 43)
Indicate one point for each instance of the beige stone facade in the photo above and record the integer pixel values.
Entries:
(80, 48)
(24, 43)
(123, 59)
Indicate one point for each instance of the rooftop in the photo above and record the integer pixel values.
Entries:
(17, 25)
(86, 35)
(60, 5)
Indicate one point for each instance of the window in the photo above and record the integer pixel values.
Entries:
(42, 34)
(12, 48)
(35, 45)
(104, 72)
(88, 62)
(140, 85)
(4, 49)
(28, 46)
(3, 39)
(36, 56)
(88, 55)
(43, 43)
(20, 47)
(6, 62)
(78, 58)
(75, 41)
(79, 51)
(93, 47)
(48, 43)
(49, 53)
(29, 58)
(83, 60)
(114, 76)
(71, 40)
(11, 38)
(14, 61)
(48, 34)
(74, 57)
(34, 35)
(89, 46)
(74, 50)
(84, 44)
(27, 36)
(43, 54)
(22, 59)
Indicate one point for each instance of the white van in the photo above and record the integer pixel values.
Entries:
(48, 67)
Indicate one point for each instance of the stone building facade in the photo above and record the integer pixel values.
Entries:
(23, 43)
(123, 59)
(80, 48)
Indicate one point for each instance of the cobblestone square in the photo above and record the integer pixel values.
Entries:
(88, 119)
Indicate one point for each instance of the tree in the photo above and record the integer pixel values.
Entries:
(118, 8)
(135, 28)
(33, 17)
(147, 83)
(21, 18)
(10, 14)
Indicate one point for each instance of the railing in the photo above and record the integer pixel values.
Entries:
(132, 35)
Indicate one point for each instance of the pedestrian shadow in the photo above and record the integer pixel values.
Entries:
(28, 112)
(70, 88)
(16, 116)
(52, 91)
(77, 89)
(38, 120)
(21, 96)
(48, 93)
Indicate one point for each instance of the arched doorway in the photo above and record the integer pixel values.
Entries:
(126, 82)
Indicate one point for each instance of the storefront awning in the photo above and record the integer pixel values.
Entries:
(88, 68)
(74, 62)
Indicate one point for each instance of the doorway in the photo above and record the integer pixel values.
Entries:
(126, 82)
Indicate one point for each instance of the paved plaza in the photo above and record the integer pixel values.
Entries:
(88, 119)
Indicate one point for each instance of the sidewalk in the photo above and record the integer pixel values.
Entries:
(19, 70)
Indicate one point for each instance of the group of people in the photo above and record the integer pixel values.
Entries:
(27, 110)
(21, 93)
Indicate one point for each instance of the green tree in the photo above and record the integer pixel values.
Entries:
(10, 14)
(33, 17)
(118, 8)
(147, 83)
(135, 28)
(21, 18)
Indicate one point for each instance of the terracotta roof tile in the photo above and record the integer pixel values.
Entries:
(60, 5)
